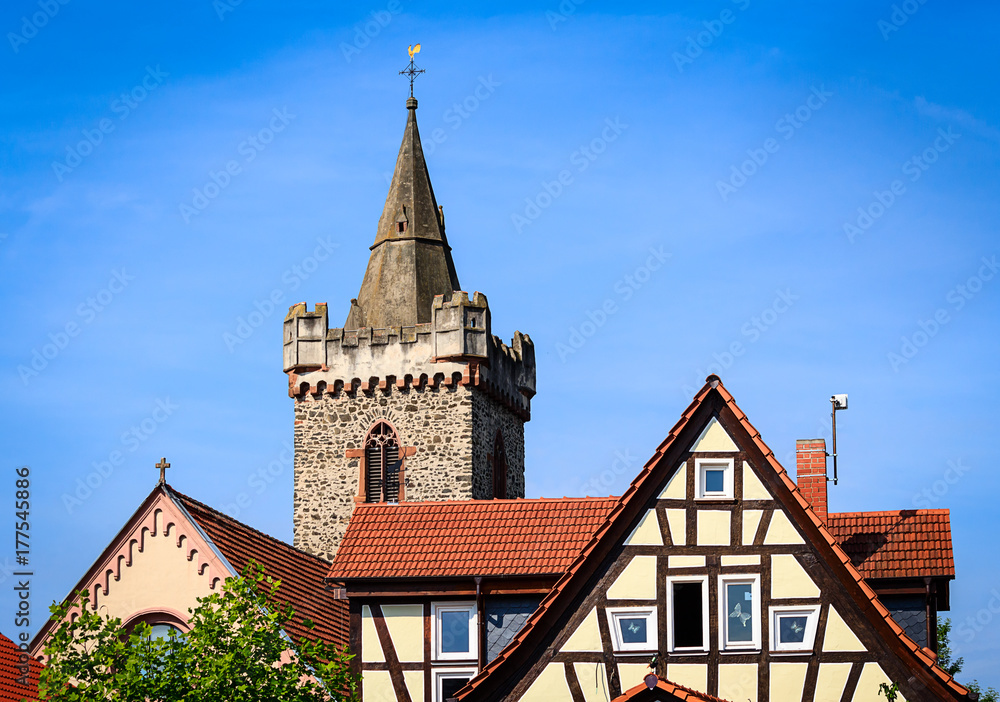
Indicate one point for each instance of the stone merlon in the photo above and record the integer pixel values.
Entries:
(457, 342)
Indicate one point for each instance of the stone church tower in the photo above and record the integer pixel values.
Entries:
(413, 398)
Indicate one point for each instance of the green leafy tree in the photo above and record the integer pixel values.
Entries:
(944, 649)
(891, 692)
(987, 695)
(236, 650)
(954, 666)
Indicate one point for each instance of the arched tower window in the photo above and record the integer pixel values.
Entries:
(499, 468)
(382, 462)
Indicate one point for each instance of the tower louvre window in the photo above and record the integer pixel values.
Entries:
(382, 464)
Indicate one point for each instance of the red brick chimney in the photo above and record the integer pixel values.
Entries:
(810, 463)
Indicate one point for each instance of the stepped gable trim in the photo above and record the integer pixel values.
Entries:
(301, 573)
(121, 550)
(472, 376)
(713, 399)
(918, 542)
(641, 693)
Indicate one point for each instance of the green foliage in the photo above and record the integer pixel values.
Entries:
(890, 692)
(953, 667)
(236, 650)
(987, 695)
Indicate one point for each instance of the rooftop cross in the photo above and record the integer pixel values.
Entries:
(163, 465)
(412, 71)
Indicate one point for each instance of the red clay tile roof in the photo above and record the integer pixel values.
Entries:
(677, 692)
(301, 574)
(911, 543)
(467, 538)
(495, 674)
(10, 689)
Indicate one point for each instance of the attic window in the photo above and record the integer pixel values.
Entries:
(454, 631)
(633, 628)
(714, 479)
(793, 628)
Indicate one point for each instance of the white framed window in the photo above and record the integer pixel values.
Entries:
(714, 478)
(447, 681)
(739, 612)
(454, 633)
(793, 628)
(687, 613)
(633, 628)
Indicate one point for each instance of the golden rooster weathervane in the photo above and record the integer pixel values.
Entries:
(412, 71)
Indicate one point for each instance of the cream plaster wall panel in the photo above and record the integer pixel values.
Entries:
(690, 675)
(685, 561)
(637, 581)
(713, 527)
(647, 533)
(414, 680)
(839, 636)
(676, 488)
(831, 681)
(376, 686)
(738, 682)
(677, 523)
(872, 676)
(631, 674)
(371, 649)
(728, 561)
(406, 629)
(751, 520)
(787, 681)
(714, 438)
(587, 636)
(753, 488)
(780, 530)
(549, 686)
(789, 579)
(593, 681)
(160, 577)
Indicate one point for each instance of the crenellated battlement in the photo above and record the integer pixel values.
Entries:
(414, 358)
(459, 337)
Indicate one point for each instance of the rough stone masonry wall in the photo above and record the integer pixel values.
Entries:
(487, 416)
(437, 422)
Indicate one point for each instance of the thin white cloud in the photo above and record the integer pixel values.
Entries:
(957, 117)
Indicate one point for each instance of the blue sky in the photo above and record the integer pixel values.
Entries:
(802, 198)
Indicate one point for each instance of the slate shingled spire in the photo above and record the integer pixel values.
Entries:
(410, 261)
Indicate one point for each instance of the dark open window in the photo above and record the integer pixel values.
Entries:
(499, 468)
(688, 626)
(382, 464)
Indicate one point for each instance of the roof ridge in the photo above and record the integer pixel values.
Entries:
(890, 512)
(483, 503)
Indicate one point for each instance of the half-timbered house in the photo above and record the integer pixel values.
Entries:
(715, 572)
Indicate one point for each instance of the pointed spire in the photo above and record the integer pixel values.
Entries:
(410, 261)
